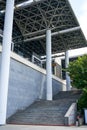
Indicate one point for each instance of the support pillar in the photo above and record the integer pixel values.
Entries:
(12, 46)
(5, 61)
(67, 75)
(48, 65)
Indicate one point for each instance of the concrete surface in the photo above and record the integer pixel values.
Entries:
(26, 85)
(30, 127)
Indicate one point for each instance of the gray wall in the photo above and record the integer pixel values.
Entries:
(25, 86)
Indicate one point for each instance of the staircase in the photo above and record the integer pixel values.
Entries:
(46, 112)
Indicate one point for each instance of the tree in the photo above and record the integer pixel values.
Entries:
(82, 102)
(78, 74)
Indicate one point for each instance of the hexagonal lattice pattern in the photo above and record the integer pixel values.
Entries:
(32, 20)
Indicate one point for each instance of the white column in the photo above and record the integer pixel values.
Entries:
(67, 75)
(12, 46)
(5, 62)
(48, 65)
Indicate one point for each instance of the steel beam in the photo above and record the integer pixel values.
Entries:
(53, 34)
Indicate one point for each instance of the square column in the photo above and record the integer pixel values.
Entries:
(67, 75)
(48, 65)
(5, 61)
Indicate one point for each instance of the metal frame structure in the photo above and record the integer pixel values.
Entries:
(33, 21)
(33, 17)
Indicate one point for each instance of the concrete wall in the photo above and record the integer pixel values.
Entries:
(24, 86)
(70, 116)
(27, 84)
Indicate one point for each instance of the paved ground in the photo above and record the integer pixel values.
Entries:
(29, 127)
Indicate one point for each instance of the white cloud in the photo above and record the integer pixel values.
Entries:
(83, 19)
(84, 6)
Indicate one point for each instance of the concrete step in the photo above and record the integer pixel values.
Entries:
(41, 112)
(46, 112)
(74, 94)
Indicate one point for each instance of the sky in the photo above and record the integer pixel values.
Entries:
(80, 9)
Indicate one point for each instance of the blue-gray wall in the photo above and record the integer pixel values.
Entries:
(25, 86)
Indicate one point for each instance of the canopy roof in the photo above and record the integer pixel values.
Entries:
(33, 18)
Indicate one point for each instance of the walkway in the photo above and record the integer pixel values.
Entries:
(29, 127)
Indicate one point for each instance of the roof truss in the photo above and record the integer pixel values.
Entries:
(32, 20)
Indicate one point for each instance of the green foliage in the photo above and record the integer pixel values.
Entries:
(78, 72)
(82, 102)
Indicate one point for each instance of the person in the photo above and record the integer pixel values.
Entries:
(78, 120)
